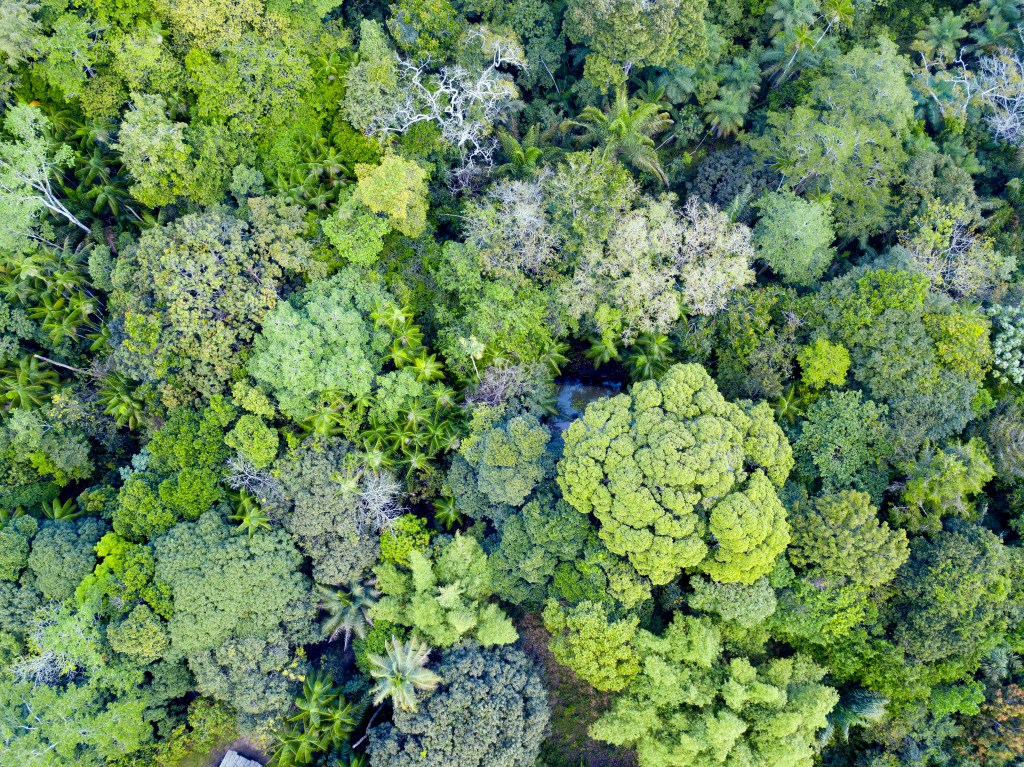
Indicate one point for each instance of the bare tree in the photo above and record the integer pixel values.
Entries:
(242, 475)
(512, 230)
(464, 105)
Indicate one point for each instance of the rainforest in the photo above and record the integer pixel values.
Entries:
(536, 383)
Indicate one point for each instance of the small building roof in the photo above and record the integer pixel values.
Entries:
(235, 759)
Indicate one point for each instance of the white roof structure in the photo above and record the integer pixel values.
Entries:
(234, 759)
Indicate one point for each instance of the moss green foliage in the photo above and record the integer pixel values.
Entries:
(941, 483)
(491, 708)
(321, 341)
(254, 440)
(351, 354)
(628, 34)
(406, 534)
(443, 595)
(397, 188)
(841, 537)
(323, 517)
(844, 441)
(598, 649)
(672, 462)
(689, 703)
(62, 554)
(823, 363)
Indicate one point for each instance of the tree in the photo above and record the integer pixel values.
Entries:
(224, 584)
(950, 602)
(940, 484)
(509, 458)
(325, 518)
(1008, 342)
(68, 702)
(512, 232)
(254, 440)
(348, 609)
(321, 342)
(443, 595)
(155, 151)
(548, 549)
(27, 175)
(597, 648)
(846, 136)
(735, 603)
(626, 34)
(141, 635)
(401, 673)
(490, 710)
(844, 441)
(794, 237)
(823, 362)
(626, 131)
(956, 259)
(62, 554)
(690, 705)
(191, 295)
(256, 675)
(841, 538)
(398, 189)
(715, 260)
(664, 465)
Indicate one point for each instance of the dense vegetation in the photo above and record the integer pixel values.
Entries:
(296, 294)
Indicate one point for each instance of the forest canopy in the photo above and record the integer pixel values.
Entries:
(455, 383)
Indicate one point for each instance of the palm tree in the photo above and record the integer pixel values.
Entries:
(117, 394)
(348, 609)
(649, 357)
(857, 708)
(726, 113)
(249, 514)
(401, 673)
(446, 513)
(626, 131)
(26, 385)
(67, 511)
(523, 157)
(942, 37)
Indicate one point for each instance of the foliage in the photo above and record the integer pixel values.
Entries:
(490, 708)
(794, 237)
(841, 537)
(845, 136)
(321, 343)
(443, 595)
(194, 319)
(823, 363)
(223, 584)
(596, 648)
(844, 442)
(397, 188)
(626, 34)
(661, 466)
(691, 704)
(509, 459)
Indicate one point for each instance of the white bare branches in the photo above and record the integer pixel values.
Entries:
(380, 499)
(52, 662)
(464, 105)
(513, 233)
(262, 485)
(1001, 89)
